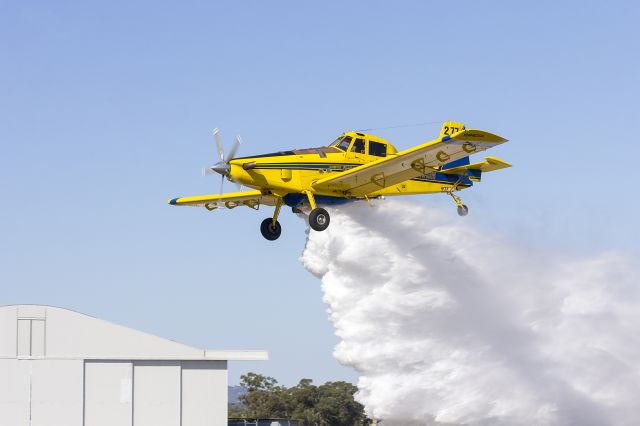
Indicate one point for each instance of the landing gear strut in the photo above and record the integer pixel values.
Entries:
(270, 227)
(318, 218)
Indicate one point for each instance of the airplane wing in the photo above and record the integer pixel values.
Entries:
(408, 164)
(230, 200)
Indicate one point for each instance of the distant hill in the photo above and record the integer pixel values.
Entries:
(234, 393)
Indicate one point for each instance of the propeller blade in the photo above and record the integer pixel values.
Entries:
(236, 184)
(218, 138)
(234, 149)
(221, 184)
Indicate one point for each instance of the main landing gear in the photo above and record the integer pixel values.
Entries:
(270, 230)
(270, 227)
(318, 219)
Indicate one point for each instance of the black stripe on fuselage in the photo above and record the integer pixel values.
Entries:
(337, 167)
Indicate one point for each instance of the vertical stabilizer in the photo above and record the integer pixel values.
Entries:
(451, 127)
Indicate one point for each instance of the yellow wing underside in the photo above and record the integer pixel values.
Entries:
(408, 164)
(231, 200)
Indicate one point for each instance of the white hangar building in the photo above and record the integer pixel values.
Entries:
(63, 368)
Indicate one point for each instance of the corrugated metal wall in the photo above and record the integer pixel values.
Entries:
(47, 392)
(108, 393)
(62, 368)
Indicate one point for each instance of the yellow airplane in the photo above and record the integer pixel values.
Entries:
(356, 166)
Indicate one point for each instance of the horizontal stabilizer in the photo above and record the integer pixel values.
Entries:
(488, 165)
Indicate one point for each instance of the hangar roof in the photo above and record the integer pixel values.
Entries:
(38, 331)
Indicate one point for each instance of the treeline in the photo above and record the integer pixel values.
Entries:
(330, 404)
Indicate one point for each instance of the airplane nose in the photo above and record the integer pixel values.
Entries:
(221, 168)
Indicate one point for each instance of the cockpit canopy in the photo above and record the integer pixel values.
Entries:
(361, 143)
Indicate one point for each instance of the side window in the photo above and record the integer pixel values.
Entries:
(344, 145)
(358, 146)
(378, 149)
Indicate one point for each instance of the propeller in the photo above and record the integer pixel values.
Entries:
(223, 167)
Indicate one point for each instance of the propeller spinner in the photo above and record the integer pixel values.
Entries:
(223, 167)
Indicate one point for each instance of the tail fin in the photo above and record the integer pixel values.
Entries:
(451, 127)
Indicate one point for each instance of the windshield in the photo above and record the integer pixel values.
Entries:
(336, 142)
(344, 143)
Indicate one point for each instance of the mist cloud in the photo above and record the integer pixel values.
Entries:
(451, 325)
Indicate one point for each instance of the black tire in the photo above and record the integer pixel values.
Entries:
(269, 231)
(463, 210)
(319, 219)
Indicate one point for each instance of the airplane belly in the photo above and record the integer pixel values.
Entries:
(300, 200)
(415, 186)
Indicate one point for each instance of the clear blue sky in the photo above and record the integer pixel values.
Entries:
(106, 110)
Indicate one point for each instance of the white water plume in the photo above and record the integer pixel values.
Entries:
(450, 325)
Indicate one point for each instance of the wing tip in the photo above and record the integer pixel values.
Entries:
(476, 133)
(173, 201)
(498, 162)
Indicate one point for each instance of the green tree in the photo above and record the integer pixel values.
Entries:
(257, 382)
(303, 399)
(264, 398)
(331, 404)
(337, 406)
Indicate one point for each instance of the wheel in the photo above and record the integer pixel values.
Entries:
(463, 210)
(319, 219)
(269, 230)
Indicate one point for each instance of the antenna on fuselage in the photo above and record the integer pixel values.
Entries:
(400, 126)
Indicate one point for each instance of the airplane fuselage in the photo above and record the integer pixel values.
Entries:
(355, 166)
(290, 172)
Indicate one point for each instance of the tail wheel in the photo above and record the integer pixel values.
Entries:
(270, 231)
(463, 210)
(319, 219)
